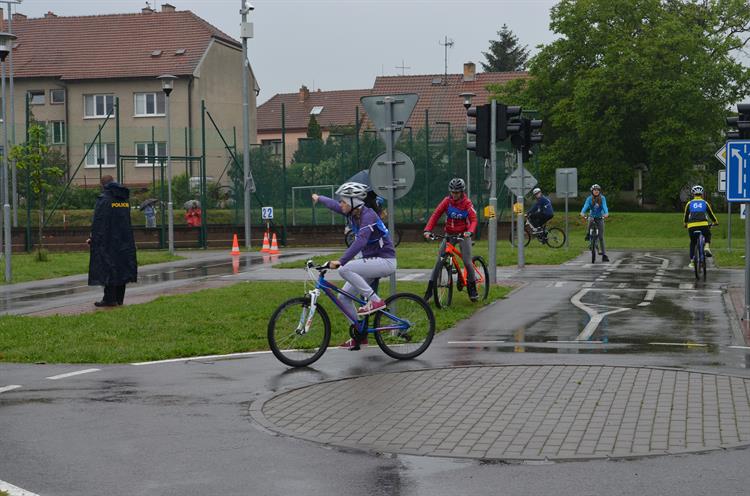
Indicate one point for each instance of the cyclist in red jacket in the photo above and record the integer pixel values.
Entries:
(460, 220)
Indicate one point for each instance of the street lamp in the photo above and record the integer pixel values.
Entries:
(167, 85)
(6, 45)
(246, 31)
(467, 96)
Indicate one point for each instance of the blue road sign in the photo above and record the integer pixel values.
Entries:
(738, 175)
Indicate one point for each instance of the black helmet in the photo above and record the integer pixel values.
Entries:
(456, 184)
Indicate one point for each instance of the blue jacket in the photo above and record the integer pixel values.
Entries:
(543, 205)
(597, 211)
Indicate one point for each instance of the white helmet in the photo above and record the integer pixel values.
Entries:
(352, 190)
(697, 189)
(535, 191)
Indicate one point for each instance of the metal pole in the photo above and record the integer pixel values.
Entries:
(729, 225)
(468, 162)
(283, 171)
(6, 204)
(120, 171)
(747, 257)
(245, 127)
(14, 173)
(28, 182)
(567, 189)
(170, 206)
(520, 224)
(427, 162)
(390, 164)
(492, 234)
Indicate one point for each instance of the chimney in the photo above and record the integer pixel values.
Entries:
(304, 93)
(167, 7)
(470, 72)
(50, 14)
(147, 9)
(18, 16)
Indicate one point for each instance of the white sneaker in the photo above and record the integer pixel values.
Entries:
(691, 265)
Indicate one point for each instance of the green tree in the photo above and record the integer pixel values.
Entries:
(42, 168)
(632, 82)
(313, 129)
(505, 54)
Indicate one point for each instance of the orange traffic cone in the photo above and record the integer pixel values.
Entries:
(274, 246)
(235, 246)
(266, 247)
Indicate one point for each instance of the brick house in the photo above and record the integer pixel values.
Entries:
(74, 68)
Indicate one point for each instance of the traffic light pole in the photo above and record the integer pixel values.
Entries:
(391, 162)
(747, 266)
(521, 224)
(492, 234)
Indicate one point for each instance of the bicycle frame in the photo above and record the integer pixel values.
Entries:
(700, 244)
(330, 290)
(455, 256)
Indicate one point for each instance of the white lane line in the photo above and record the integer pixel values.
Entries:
(410, 277)
(687, 285)
(736, 347)
(8, 388)
(560, 284)
(700, 345)
(653, 285)
(587, 285)
(660, 289)
(579, 343)
(204, 357)
(622, 285)
(476, 342)
(595, 317)
(657, 279)
(14, 490)
(644, 303)
(71, 374)
(650, 294)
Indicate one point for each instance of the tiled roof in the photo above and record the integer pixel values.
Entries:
(442, 100)
(338, 109)
(112, 46)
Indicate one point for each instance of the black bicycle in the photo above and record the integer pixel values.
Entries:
(699, 255)
(554, 237)
(594, 238)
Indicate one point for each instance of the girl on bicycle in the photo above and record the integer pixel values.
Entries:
(699, 217)
(596, 205)
(372, 240)
(460, 220)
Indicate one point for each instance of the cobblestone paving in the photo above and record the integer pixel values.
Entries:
(521, 412)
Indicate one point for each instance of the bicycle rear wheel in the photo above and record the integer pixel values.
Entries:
(286, 338)
(408, 331)
(442, 290)
(482, 275)
(397, 238)
(555, 237)
(697, 260)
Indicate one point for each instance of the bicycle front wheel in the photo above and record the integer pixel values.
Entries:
(289, 341)
(513, 238)
(442, 291)
(555, 237)
(482, 275)
(593, 248)
(406, 329)
(397, 239)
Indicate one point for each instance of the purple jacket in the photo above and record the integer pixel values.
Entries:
(370, 239)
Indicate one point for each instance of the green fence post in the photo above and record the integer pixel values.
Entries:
(283, 170)
(29, 244)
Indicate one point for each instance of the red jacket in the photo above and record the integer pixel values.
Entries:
(460, 216)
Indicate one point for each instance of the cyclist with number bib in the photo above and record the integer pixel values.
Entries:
(461, 221)
(596, 206)
(699, 217)
(372, 240)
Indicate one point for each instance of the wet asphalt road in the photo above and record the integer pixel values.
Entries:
(183, 427)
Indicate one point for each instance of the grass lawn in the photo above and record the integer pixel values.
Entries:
(27, 268)
(629, 230)
(214, 321)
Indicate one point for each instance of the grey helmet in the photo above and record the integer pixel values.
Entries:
(456, 184)
(535, 191)
(697, 190)
(595, 186)
(354, 192)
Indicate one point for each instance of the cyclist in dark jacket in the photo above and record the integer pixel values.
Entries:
(541, 212)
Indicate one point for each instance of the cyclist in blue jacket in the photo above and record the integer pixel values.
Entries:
(541, 212)
(596, 206)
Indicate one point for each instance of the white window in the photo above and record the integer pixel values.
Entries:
(316, 110)
(96, 106)
(36, 97)
(146, 153)
(108, 155)
(56, 96)
(57, 132)
(273, 145)
(149, 104)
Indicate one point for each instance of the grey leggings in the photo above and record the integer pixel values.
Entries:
(600, 224)
(465, 247)
(359, 273)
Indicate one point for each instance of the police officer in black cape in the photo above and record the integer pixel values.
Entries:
(112, 261)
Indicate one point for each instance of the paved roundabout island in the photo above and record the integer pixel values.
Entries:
(519, 413)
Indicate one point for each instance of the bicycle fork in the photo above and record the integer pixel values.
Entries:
(307, 314)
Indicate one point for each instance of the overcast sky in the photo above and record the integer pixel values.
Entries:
(345, 44)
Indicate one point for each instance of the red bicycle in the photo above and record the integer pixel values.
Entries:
(450, 264)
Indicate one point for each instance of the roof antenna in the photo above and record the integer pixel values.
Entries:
(403, 67)
(447, 44)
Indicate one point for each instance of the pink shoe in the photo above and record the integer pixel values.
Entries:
(351, 344)
(371, 307)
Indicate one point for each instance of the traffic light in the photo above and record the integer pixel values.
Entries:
(741, 122)
(512, 125)
(481, 129)
(531, 136)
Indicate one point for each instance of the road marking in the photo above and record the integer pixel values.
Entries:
(410, 277)
(622, 285)
(587, 285)
(650, 294)
(204, 357)
(71, 374)
(644, 303)
(580, 343)
(689, 345)
(740, 347)
(476, 342)
(596, 317)
(560, 284)
(14, 490)
(8, 388)
(687, 285)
